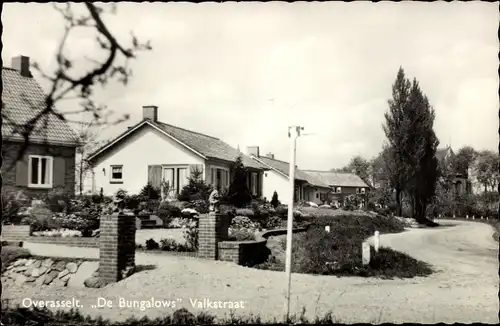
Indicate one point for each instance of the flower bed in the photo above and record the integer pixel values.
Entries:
(64, 233)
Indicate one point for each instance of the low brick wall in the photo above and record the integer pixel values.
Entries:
(69, 241)
(248, 253)
(16, 231)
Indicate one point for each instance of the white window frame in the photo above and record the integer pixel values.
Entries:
(338, 190)
(363, 191)
(175, 180)
(111, 179)
(50, 166)
(213, 176)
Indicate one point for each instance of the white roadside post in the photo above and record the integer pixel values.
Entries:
(293, 134)
(365, 257)
(377, 240)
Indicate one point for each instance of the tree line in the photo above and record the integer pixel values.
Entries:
(408, 172)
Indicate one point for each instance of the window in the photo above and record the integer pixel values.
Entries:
(116, 173)
(338, 190)
(175, 177)
(357, 191)
(317, 195)
(254, 183)
(219, 177)
(40, 171)
(363, 191)
(182, 178)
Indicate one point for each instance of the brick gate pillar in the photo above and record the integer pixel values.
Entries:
(117, 246)
(213, 228)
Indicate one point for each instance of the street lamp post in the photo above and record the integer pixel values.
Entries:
(293, 134)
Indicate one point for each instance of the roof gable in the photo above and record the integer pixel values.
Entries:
(338, 179)
(22, 99)
(205, 146)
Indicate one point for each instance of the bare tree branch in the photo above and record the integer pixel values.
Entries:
(63, 85)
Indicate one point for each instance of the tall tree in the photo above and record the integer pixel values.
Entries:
(487, 169)
(88, 135)
(396, 129)
(359, 166)
(421, 149)
(65, 81)
(238, 193)
(464, 160)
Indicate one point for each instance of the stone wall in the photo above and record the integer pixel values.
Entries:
(36, 272)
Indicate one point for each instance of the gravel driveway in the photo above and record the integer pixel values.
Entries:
(465, 288)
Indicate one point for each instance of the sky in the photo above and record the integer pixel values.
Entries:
(244, 72)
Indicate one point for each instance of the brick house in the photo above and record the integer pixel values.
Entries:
(342, 183)
(48, 162)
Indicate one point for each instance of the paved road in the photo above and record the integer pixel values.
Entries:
(465, 288)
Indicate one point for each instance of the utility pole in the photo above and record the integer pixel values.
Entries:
(293, 134)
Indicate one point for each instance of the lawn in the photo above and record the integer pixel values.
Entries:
(338, 252)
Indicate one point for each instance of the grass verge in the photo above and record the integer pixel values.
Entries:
(339, 252)
(23, 316)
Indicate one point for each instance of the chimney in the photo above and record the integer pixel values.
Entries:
(270, 155)
(22, 64)
(150, 112)
(253, 150)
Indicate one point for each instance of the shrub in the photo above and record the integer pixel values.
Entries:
(282, 211)
(238, 193)
(12, 253)
(228, 210)
(172, 245)
(133, 202)
(201, 206)
(248, 212)
(10, 209)
(150, 192)
(121, 194)
(58, 201)
(40, 219)
(274, 201)
(273, 222)
(243, 222)
(151, 244)
(191, 236)
(242, 235)
(196, 189)
(165, 215)
(174, 211)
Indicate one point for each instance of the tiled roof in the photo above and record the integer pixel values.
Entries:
(23, 99)
(284, 168)
(338, 179)
(208, 146)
